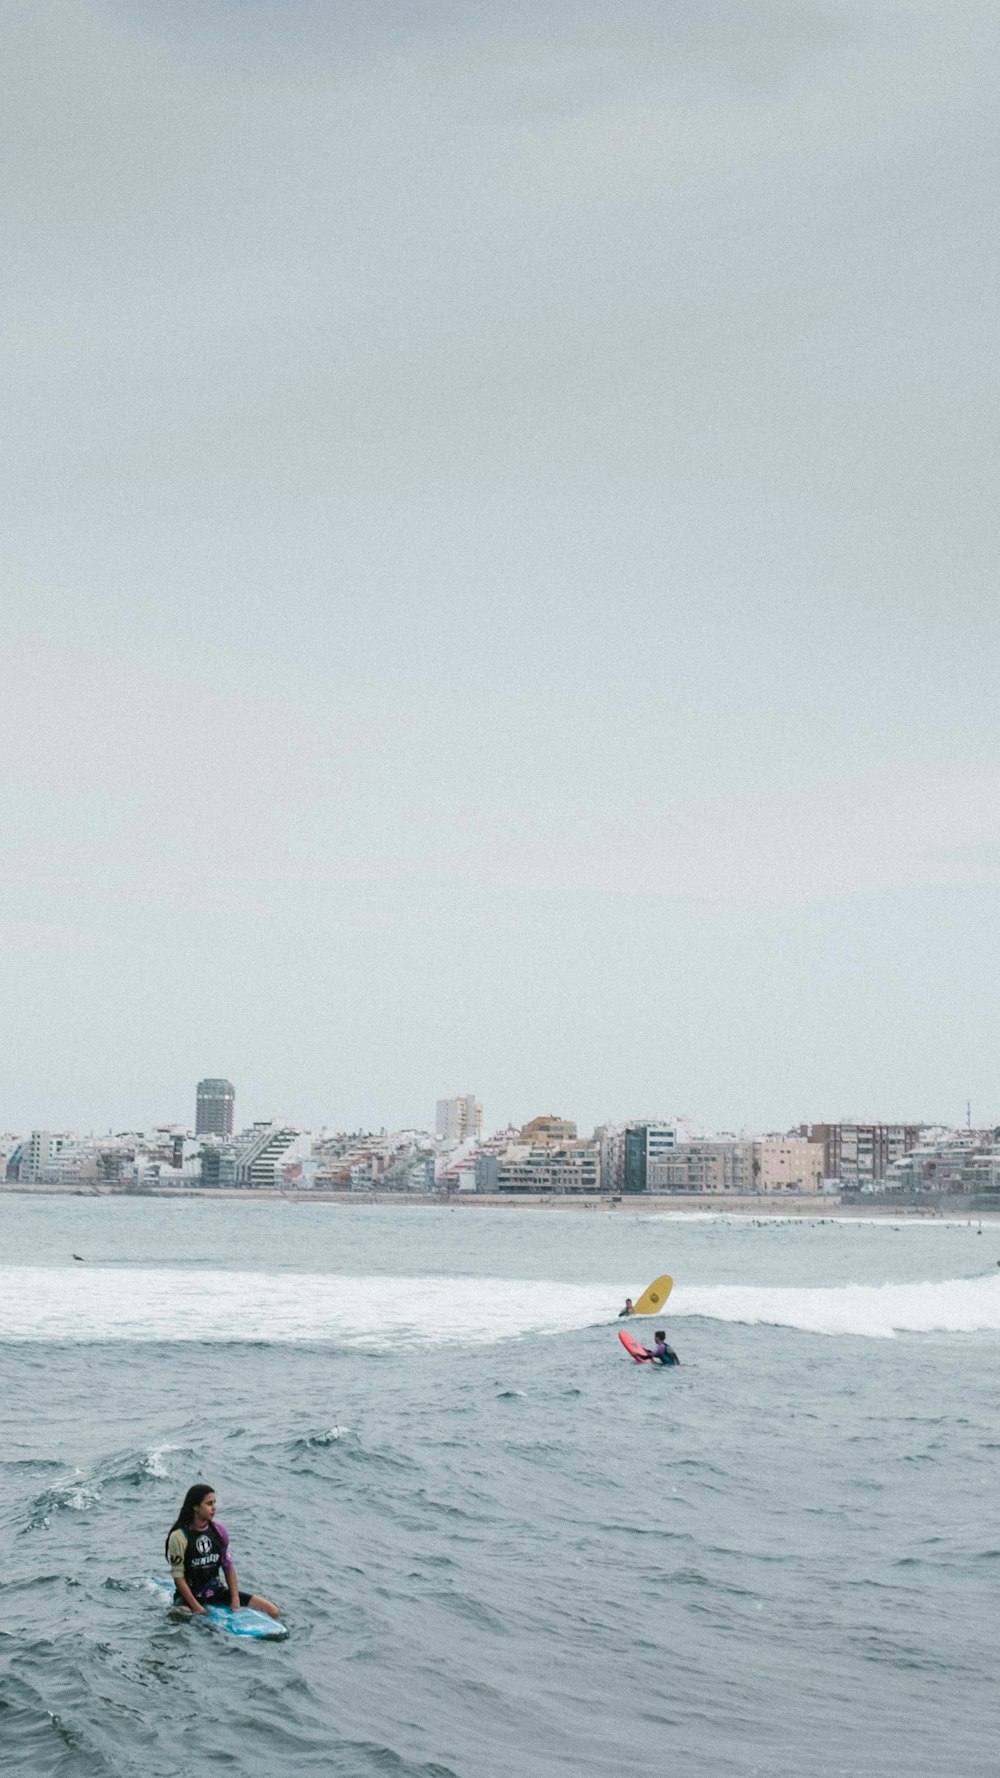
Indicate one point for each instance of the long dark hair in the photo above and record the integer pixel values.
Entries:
(194, 1497)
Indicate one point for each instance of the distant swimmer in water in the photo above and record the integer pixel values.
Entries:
(628, 1309)
(661, 1352)
(200, 1563)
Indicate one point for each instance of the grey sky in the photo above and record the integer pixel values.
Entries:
(500, 563)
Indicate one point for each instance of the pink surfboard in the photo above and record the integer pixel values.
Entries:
(633, 1347)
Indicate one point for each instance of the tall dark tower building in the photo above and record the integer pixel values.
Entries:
(214, 1116)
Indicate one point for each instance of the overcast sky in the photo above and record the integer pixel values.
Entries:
(500, 566)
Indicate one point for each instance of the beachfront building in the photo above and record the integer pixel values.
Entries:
(459, 1120)
(468, 1168)
(545, 1168)
(411, 1166)
(644, 1147)
(710, 1165)
(860, 1155)
(368, 1161)
(214, 1104)
(966, 1161)
(134, 1159)
(264, 1151)
(787, 1164)
(739, 1164)
(45, 1158)
(631, 1152)
(218, 1163)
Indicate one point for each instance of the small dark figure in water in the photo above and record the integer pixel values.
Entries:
(662, 1353)
(628, 1309)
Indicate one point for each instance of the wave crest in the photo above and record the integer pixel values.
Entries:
(54, 1305)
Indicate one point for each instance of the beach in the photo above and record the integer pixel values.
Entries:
(810, 1205)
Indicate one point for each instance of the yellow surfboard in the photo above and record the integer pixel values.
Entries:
(653, 1299)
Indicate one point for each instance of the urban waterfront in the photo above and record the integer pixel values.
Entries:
(545, 1158)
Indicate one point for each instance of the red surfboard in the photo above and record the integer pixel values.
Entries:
(633, 1347)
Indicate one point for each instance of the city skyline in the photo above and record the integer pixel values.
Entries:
(463, 1117)
(547, 1156)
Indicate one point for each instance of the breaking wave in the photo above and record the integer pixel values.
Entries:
(875, 1311)
(79, 1492)
(54, 1304)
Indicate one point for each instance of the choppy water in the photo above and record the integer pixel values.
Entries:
(500, 1546)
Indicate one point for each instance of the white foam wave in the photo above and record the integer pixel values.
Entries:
(51, 1303)
(154, 1461)
(774, 1218)
(876, 1311)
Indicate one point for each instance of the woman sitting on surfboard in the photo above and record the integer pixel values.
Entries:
(200, 1563)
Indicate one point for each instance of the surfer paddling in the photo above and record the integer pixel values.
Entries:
(200, 1563)
(658, 1353)
(661, 1352)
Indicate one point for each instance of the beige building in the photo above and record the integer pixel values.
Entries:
(787, 1163)
(548, 1167)
(458, 1120)
(704, 1167)
(548, 1129)
(740, 1165)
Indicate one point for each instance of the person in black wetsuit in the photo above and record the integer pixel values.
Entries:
(661, 1352)
(197, 1549)
(628, 1309)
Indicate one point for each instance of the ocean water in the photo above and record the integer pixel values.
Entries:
(499, 1545)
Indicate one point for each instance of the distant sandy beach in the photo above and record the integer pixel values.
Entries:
(691, 1204)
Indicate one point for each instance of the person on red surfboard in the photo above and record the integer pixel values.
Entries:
(658, 1353)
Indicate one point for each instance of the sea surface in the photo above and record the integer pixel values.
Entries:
(500, 1546)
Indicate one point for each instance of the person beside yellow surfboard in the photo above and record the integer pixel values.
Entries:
(650, 1303)
(651, 1300)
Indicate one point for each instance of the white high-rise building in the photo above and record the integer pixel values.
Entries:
(40, 1164)
(456, 1120)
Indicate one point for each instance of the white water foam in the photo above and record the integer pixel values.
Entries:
(774, 1218)
(876, 1311)
(154, 1462)
(52, 1303)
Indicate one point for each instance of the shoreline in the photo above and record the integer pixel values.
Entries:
(804, 1206)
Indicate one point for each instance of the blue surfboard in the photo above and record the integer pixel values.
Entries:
(243, 1622)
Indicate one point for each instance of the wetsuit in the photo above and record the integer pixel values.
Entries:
(663, 1354)
(202, 1559)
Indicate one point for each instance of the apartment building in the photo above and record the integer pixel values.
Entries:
(860, 1155)
(704, 1166)
(214, 1102)
(645, 1146)
(787, 1163)
(956, 1161)
(548, 1129)
(458, 1120)
(546, 1167)
(266, 1149)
